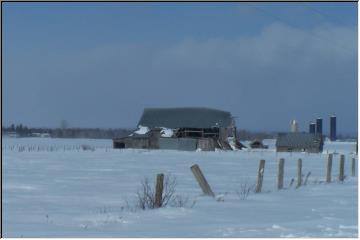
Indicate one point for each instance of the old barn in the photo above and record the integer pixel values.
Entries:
(188, 128)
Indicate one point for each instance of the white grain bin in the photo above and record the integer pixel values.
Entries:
(294, 126)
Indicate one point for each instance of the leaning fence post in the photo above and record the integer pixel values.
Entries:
(328, 168)
(341, 168)
(159, 190)
(280, 178)
(299, 176)
(260, 176)
(353, 167)
(201, 180)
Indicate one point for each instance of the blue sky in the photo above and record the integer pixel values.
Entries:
(100, 64)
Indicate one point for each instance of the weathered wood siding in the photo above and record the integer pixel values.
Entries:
(184, 144)
(206, 144)
(287, 149)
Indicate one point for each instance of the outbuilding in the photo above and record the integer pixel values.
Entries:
(299, 142)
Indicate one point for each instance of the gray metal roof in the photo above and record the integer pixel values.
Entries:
(299, 140)
(187, 117)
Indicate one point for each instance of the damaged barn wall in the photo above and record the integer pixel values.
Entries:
(185, 144)
(128, 142)
(206, 144)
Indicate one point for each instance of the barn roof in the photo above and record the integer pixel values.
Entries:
(299, 140)
(187, 117)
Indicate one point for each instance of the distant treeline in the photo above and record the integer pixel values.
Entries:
(24, 131)
(249, 135)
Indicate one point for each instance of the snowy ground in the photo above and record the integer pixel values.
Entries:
(54, 188)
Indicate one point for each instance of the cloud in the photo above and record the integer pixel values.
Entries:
(266, 79)
(273, 45)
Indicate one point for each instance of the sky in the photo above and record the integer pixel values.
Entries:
(101, 64)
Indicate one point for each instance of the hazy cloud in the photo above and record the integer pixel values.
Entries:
(266, 79)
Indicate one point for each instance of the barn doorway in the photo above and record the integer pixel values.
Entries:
(119, 145)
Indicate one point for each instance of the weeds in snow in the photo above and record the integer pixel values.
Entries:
(146, 195)
(306, 178)
(245, 190)
(87, 148)
(179, 201)
(49, 148)
(291, 182)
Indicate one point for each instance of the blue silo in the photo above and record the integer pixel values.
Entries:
(312, 127)
(333, 128)
(319, 125)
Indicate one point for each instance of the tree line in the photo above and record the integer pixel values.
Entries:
(24, 131)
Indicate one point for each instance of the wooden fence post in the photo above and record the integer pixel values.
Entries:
(201, 180)
(260, 176)
(341, 168)
(328, 168)
(159, 190)
(280, 178)
(353, 167)
(299, 172)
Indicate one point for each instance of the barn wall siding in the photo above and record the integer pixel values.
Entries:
(184, 144)
(292, 149)
(132, 142)
(206, 144)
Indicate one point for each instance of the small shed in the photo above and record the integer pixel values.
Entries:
(299, 142)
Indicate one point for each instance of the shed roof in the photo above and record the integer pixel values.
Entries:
(299, 140)
(187, 117)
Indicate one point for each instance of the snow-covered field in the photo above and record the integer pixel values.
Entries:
(55, 188)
